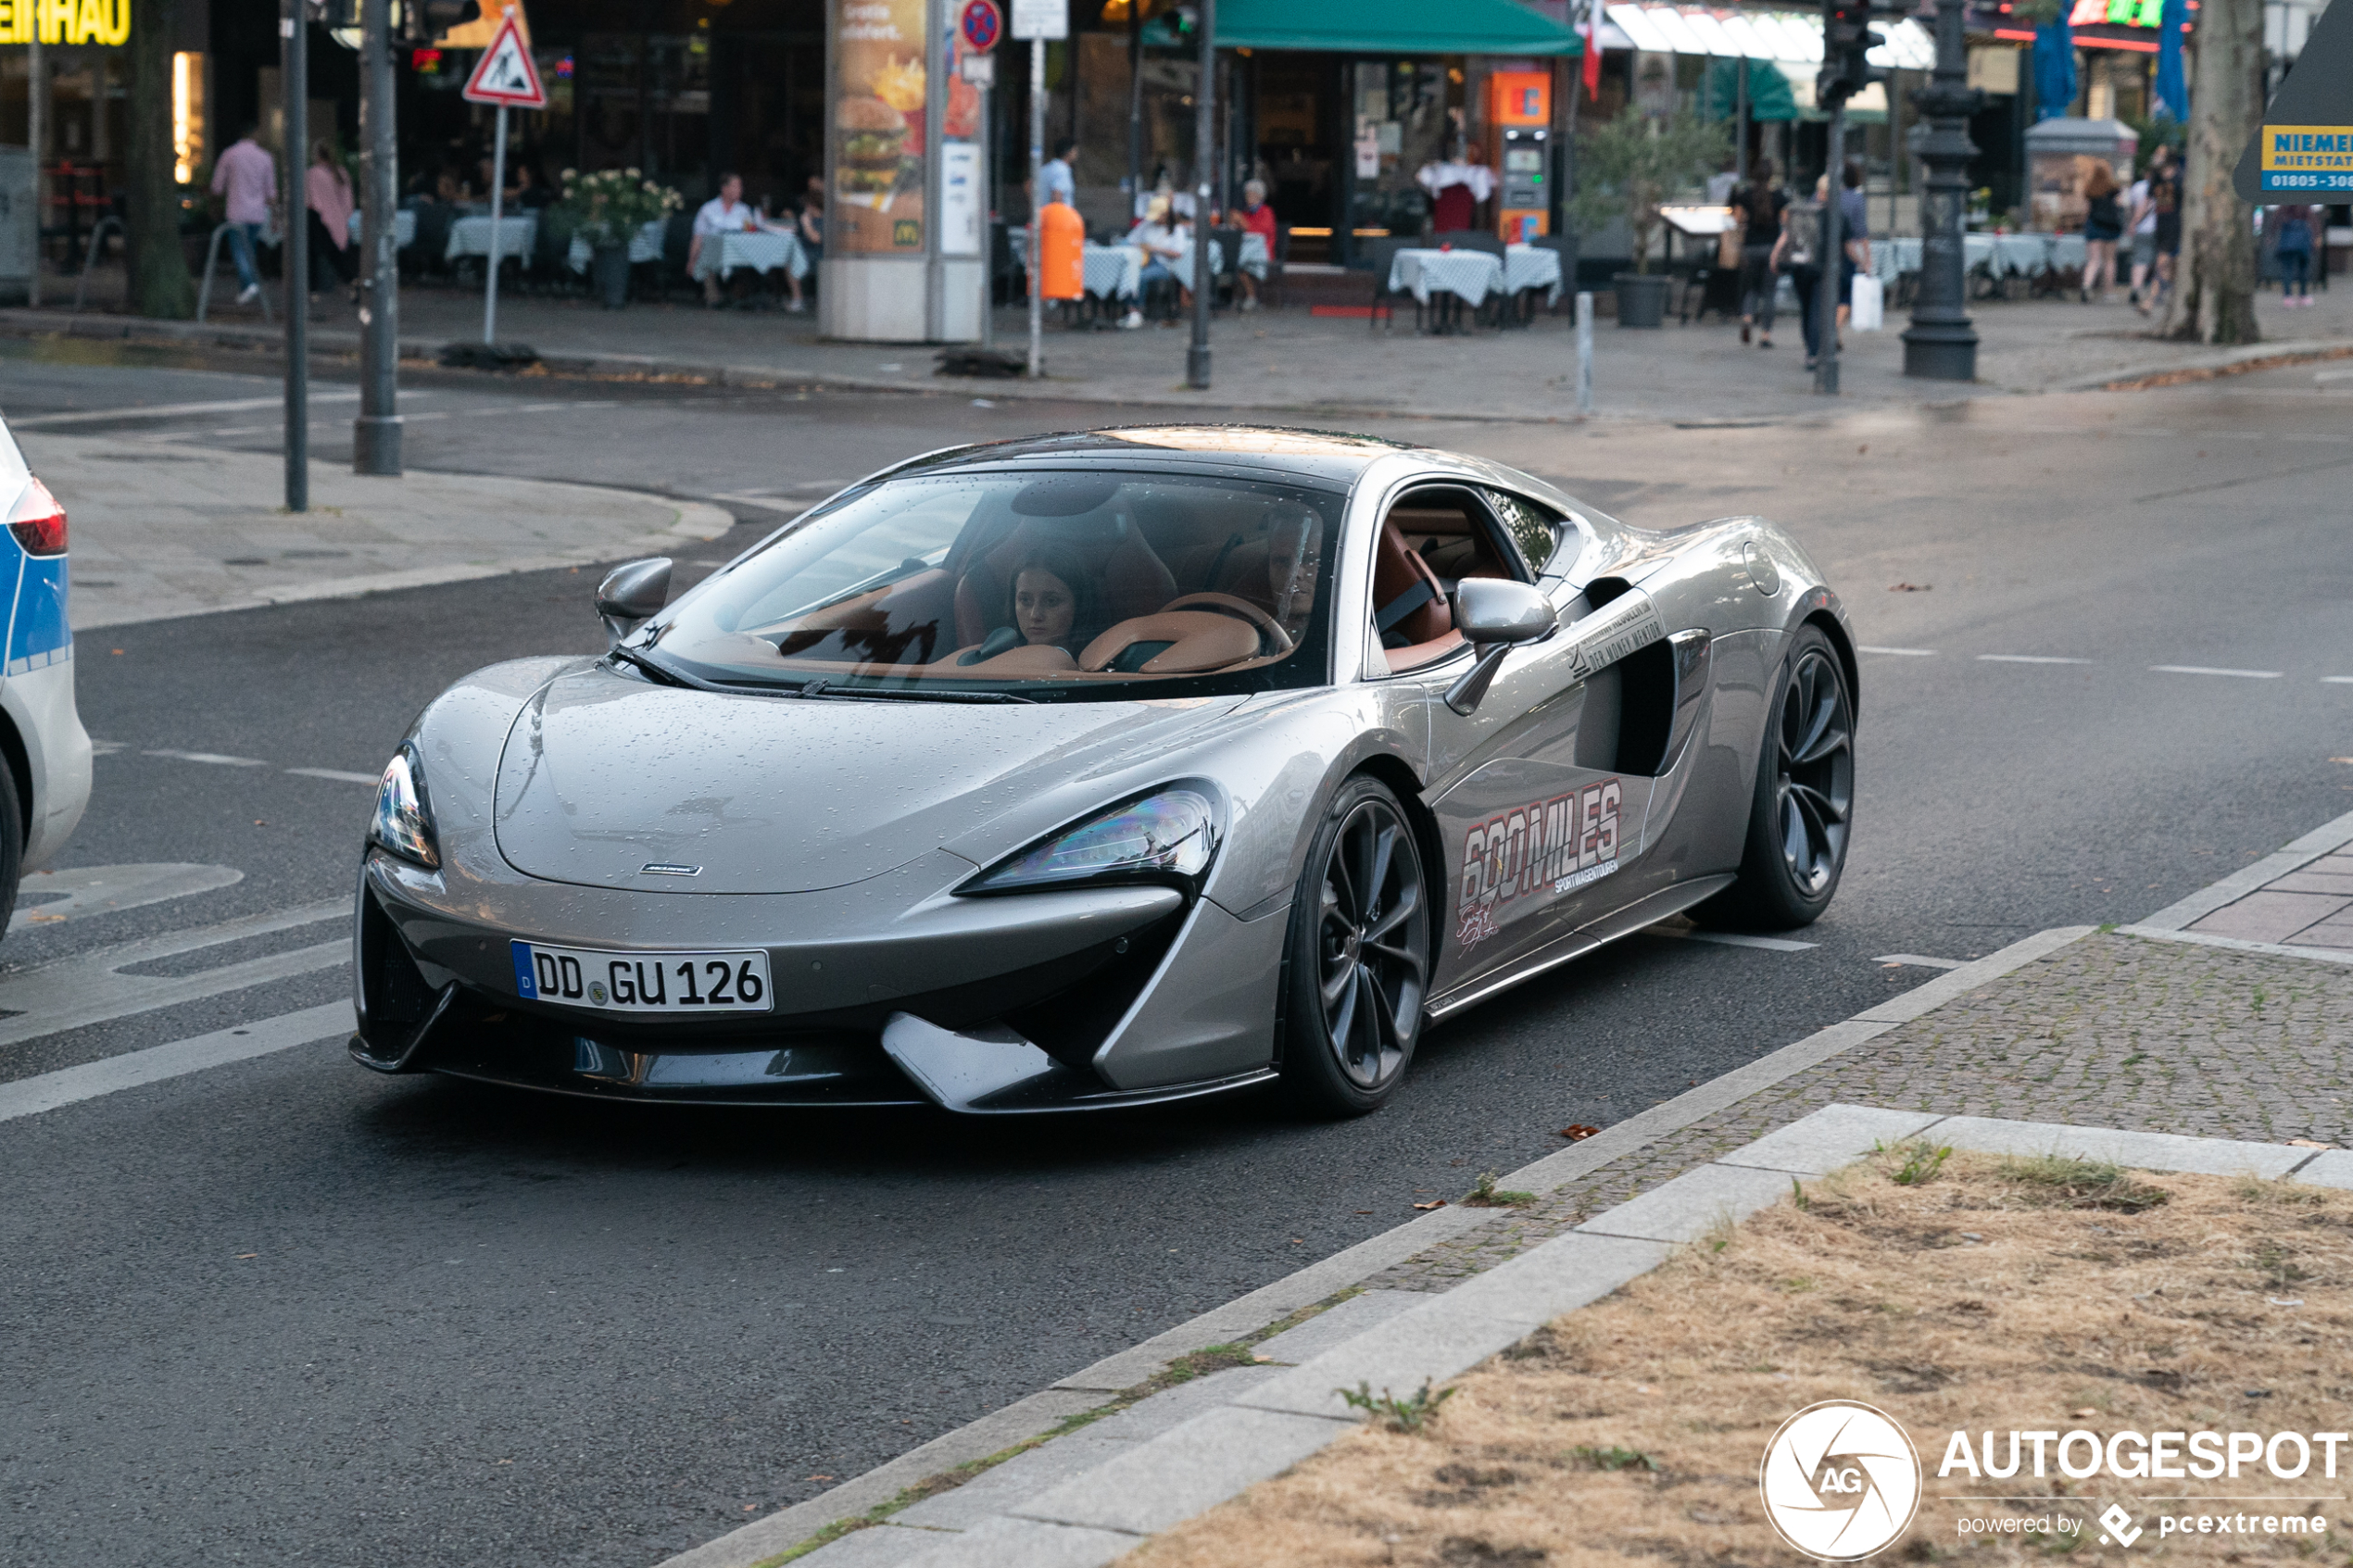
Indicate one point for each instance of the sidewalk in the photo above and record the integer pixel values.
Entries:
(1290, 361)
(167, 529)
(2154, 1046)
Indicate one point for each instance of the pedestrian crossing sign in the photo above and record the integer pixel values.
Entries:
(504, 75)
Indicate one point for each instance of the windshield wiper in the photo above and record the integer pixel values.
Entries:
(825, 688)
(669, 677)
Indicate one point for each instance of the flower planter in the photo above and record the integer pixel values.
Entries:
(1641, 299)
(610, 270)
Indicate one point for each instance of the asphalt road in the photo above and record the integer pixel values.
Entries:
(285, 1311)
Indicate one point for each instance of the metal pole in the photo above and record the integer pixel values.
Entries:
(36, 137)
(1941, 345)
(1204, 161)
(1036, 229)
(1134, 185)
(294, 77)
(375, 435)
(989, 212)
(1740, 119)
(1584, 352)
(498, 200)
(1825, 306)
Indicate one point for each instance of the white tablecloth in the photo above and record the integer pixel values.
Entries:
(763, 251)
(644, 246)
(1999, 255)
(1471, 275)
(404, 226)
(1531, 267)
(471, 236)
(1183, 265)
(1254, 256)
(1106, 271)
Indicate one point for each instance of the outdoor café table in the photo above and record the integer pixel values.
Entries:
(644, 246)
(1183, 265)
(762, 250)
(1254, 259)
(404, 226)
(1468, 276)
(1106, 271)
(1531, 267)
(472, 236)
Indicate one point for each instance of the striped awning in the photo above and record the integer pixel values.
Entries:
(1788, 37)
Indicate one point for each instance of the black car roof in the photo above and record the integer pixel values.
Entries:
(1332, 457)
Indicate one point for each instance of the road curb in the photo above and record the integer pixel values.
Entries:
(2243, 360)
(1092, 1387)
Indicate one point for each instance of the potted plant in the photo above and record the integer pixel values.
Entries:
(605, 207)
(1626, 168)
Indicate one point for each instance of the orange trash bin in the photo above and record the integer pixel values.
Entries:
(1062, 237)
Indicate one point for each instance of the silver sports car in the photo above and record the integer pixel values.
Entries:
(1104, 769)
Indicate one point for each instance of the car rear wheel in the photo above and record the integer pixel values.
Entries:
(11, 845)
(1804, 806)
(1359, 957)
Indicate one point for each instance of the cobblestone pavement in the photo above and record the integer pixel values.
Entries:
(2110, 1031)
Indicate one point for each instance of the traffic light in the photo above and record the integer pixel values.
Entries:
(422, 21)
(1847, 39)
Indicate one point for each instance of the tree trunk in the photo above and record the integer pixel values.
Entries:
(154, 259)
(2214, 301)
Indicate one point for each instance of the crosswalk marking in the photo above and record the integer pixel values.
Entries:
(47, 1091)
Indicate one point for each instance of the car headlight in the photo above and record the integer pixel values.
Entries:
(1167, 836)
(403, 822)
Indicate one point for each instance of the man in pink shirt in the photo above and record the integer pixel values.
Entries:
(247, 175)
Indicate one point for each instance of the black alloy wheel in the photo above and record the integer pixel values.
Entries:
(1803, 810)
(1359, 956)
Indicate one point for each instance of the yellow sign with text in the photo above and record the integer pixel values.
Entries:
(64, 22)
(2307, 157)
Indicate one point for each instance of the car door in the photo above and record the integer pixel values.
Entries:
(1530, 813)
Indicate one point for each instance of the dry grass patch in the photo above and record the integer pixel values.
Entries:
(1974, 1293)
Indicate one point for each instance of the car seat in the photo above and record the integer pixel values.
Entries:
(1410, 611)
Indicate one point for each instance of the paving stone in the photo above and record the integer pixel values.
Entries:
(1154, 1486)
(1026, 1543)
(1445, 1338)
(1562, 1276)
(2266, 916)
(1001, 1488)
(2313, 880)
(878, 1546)
(2140, 1151)
(1344, 1321)
(1692, 1204)
(2114, 1031)
(1832, 1137)
(2334, 1168)
(1174, 1406)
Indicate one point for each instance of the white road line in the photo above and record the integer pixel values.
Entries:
(1905, 653)
(212, 756)
(2207, 669)
(170, 410)
(337, 774)
(2332, 375)
(47, 1091)
(2026, 659)
(1920, 959)
(92, 890)
(77, 992)
(2337, 680)
(1731, 939)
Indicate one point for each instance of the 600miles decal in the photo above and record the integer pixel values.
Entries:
(1554, 846)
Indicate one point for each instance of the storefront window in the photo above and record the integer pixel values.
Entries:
(1401, 121)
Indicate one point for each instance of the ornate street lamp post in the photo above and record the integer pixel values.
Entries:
(1940, 344)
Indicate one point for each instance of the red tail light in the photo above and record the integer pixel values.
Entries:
(38, 522)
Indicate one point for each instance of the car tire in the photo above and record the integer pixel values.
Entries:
(1357, 964)
(11, 845)
(1802, 809)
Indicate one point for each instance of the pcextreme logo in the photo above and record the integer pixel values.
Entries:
(1840, 1481)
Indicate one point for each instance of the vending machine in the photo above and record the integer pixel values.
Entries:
(1520, 120)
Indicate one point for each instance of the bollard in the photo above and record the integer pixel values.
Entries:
(1584, 352)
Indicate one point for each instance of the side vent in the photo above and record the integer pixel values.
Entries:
(1645, 708)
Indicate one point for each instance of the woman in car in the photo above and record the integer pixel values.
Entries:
(1053, 602)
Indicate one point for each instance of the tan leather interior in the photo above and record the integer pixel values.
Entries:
(1273, 638)
(1029, 659)
(898, 623)
(1198, 640)
(1129, 579)
(1396, 571)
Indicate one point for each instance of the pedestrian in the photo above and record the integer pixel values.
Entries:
(2165, 203)
(326, 189)
(1759, 207)
(1854, 255)
(1725, 181)
(531, 192)
(1162, 241)
(728, 213)
(2292, 245)
(811, 221)
(1799, 252)
(2103, 226)
(1058, 177)
(247, 176)
(2142, 217)
(1253, 217)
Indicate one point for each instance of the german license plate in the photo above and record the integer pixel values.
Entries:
(643, 983)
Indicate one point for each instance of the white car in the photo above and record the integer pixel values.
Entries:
(46, 781)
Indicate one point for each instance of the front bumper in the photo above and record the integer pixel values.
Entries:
(1059, 1000)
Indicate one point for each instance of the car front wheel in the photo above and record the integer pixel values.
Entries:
(1359, 957)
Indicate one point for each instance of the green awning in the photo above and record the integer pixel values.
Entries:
(1393, 27)
(1769, 94)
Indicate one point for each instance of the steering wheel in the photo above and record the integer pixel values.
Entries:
(1272, 638)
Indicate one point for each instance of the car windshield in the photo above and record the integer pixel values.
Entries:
(1054, 586)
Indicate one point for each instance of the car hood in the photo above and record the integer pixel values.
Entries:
(603, 775)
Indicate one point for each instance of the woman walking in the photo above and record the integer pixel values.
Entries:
(2292, 245)
(2103, 226)
(1759, 205)
(327, 189)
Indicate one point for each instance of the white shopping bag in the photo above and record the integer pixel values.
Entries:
(1870, 303)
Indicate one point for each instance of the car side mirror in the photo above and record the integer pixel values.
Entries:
(633, 594)
(1496, 615)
